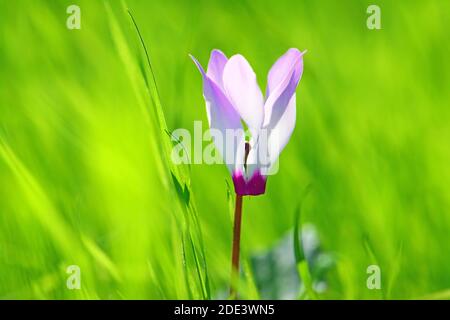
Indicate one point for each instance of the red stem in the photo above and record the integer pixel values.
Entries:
(236, 246)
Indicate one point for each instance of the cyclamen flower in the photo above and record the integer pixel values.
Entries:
(232, 95)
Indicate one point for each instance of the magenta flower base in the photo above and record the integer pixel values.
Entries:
(256, 185)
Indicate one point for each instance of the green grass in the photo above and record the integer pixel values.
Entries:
(85, 170)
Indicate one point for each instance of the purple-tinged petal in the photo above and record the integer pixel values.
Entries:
(281, 68)
(202, 71)
(223, 117)
(241, 88)
(283, 79)
(216, 65)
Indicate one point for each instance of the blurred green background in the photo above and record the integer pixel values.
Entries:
(85, 171)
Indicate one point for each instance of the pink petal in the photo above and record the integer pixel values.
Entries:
(223, 117)
(282, 82)
(216, 65)
(281, 68)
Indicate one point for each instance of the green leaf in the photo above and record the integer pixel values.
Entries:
(302, 263)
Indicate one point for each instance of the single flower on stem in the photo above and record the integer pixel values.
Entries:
(233, 97)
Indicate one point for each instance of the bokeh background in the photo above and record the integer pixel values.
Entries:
(85, 171)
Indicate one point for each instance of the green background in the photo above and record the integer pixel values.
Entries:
(85, 171)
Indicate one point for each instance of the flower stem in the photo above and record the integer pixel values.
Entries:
(236, 247)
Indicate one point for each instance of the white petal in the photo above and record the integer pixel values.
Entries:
(280, 134)
(241, 87)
